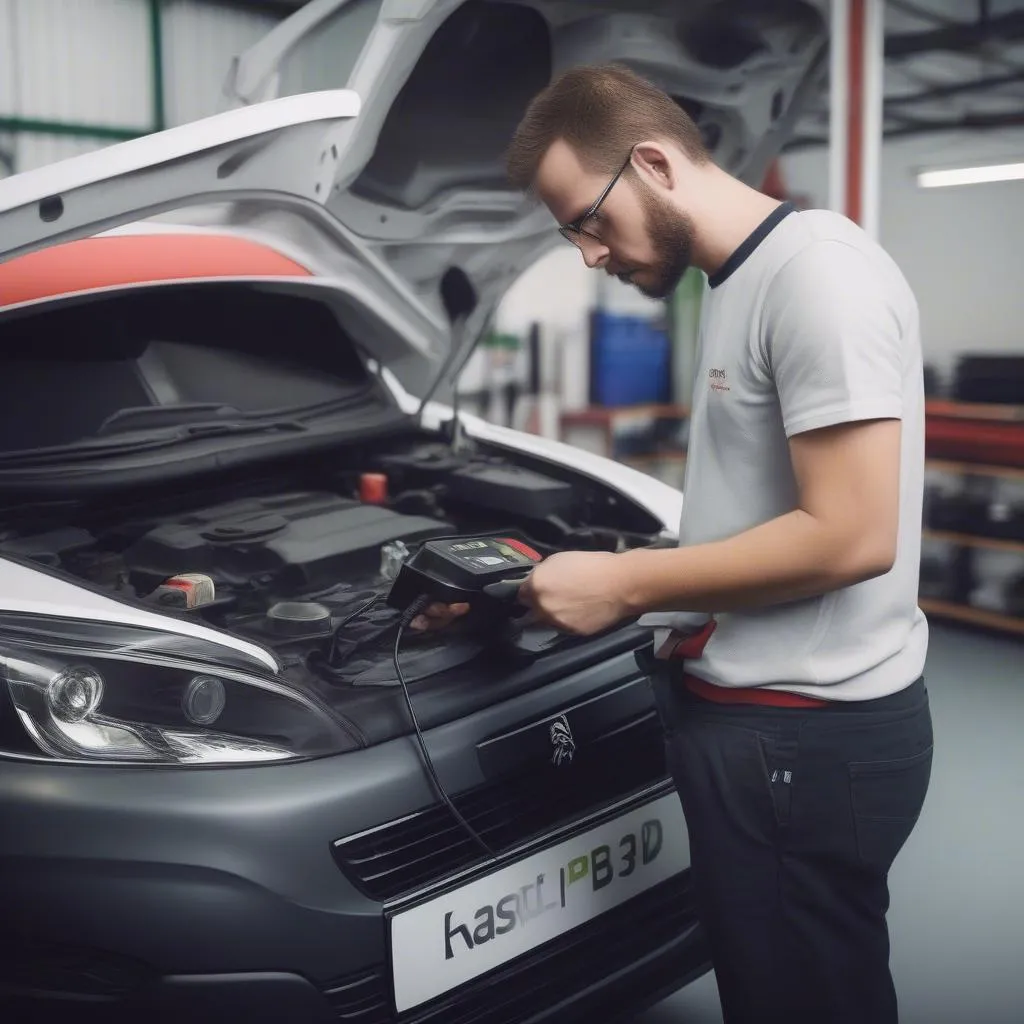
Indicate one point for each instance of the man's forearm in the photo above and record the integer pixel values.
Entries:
(787, 559)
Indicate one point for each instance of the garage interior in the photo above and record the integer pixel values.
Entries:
(916, 131)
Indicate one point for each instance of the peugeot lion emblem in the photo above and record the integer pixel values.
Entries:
(562, 741)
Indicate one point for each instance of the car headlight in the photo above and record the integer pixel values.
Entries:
(91, 691)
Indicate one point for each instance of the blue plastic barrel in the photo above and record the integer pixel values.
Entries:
(629, 361)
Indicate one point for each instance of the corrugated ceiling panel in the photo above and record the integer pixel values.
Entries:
(199, 42)
(82, 62)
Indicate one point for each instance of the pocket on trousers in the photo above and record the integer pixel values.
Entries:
(887, 798)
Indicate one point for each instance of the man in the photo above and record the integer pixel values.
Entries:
(790, 647)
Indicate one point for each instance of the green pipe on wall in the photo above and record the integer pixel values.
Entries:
(156, 44)
(111, 133)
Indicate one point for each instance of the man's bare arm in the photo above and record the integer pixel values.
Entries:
(843, 532)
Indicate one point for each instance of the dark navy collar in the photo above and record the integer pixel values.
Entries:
(750, 243)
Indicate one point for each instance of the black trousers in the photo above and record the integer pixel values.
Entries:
(795, 817)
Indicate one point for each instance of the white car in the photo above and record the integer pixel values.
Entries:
(216, 454)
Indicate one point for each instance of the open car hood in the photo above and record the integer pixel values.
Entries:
(420, 177)
(370, 134)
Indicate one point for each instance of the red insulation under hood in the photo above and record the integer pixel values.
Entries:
(119, 260)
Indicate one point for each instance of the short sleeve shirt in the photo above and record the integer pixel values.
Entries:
(809, 324)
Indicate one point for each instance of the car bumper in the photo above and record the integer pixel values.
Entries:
(195, 894)
(609, 971)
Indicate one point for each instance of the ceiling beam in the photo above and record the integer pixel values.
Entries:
(938, 92)
(958, 38)
(969, 123)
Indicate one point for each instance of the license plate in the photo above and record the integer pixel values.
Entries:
(452, 939)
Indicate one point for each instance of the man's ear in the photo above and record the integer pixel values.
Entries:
(651, 160)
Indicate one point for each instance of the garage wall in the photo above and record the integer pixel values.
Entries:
(86, 62)
(959, 247)
(557, 291)
(199, 41)
(76, 75)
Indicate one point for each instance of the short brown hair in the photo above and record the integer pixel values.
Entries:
(600, 111)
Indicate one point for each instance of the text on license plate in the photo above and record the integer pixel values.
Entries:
(451, 939)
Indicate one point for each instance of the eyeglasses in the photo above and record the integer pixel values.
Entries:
(574, 229)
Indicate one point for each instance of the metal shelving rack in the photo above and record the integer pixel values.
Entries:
(968, 542)
(596, 429)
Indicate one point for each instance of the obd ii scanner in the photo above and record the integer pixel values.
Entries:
(484, 572)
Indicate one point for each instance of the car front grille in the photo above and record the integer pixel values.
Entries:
(402, 856)
(361, 998)
(548, 975)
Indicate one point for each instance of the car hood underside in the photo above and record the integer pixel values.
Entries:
(369, 135)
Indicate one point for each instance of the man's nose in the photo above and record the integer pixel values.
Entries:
(595, 253)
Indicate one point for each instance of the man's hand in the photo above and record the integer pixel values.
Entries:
(576, 592)
(438, 616)
(573, 591)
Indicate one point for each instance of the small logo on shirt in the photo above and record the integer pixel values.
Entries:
(719, 379)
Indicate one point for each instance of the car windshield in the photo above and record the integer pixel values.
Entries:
(158, 358)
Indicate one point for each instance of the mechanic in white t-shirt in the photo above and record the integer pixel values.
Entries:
(789, 644)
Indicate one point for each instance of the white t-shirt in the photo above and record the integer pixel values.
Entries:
(809, 324)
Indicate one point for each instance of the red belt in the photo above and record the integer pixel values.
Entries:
(693, 646)
(749, 695)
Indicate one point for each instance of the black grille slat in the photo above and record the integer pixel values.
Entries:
(422, 848)
(362, 999)
(418, 827)
(409, 853)
(433, 827)
(566, 965)
(420, 870)
(446, 827)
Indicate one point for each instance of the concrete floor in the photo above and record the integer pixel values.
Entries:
(957, 914)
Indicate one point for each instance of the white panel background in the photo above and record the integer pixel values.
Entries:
(199, 42)
(90, 62)
(78, 61)
(36, 150)
(8, 76)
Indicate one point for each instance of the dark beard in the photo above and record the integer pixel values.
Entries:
(671, 235)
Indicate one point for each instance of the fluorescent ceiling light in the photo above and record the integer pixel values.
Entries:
(971, 175)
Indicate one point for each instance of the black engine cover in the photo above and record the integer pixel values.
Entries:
(489, 484)
(511, 489)
(292, 543)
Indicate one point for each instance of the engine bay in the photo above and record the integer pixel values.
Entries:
(300, 559)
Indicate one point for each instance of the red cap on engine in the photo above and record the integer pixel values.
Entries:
(373, 488)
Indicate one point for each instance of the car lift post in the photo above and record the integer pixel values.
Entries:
(856, 80)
